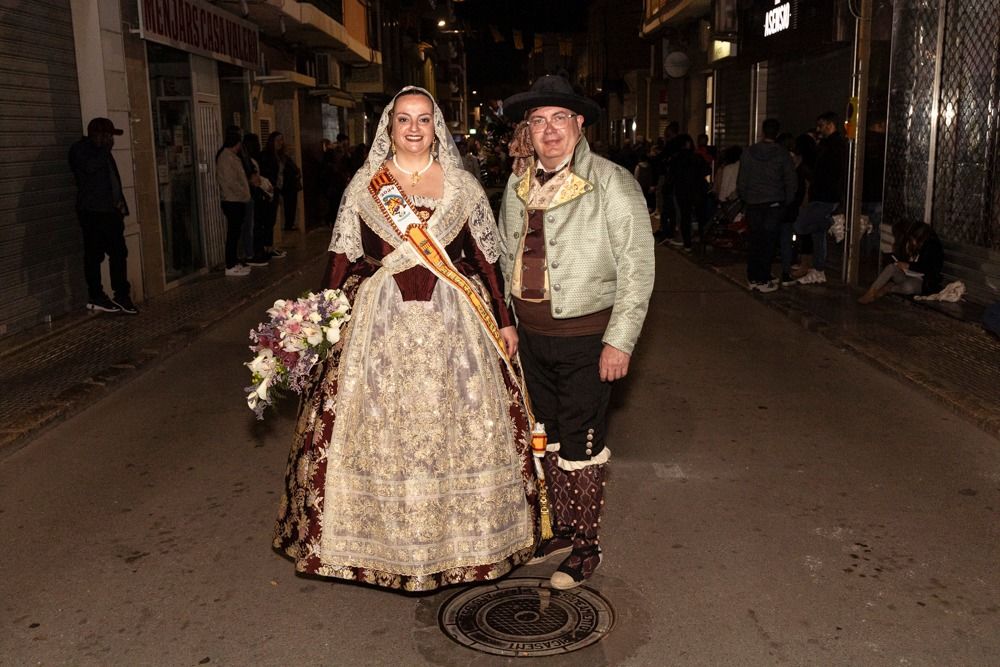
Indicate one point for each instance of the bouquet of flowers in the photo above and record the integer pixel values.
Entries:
(288, 347)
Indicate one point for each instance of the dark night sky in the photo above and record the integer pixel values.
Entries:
(498, 69)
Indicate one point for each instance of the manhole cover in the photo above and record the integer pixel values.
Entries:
(524, 617)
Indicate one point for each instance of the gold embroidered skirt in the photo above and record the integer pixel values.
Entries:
(411, 467)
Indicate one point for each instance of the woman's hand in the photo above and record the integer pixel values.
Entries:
(509, 335)
(903, 266)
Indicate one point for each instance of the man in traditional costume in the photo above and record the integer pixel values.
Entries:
(577, 260)
(411, 466)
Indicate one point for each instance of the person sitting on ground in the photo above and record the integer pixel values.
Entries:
(917, 266)
(727, 174)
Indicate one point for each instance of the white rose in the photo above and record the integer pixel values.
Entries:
(313, 334)
(263, 363)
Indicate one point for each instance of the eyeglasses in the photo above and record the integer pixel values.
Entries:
(557, 121)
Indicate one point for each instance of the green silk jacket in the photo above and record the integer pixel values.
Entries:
(599, 244)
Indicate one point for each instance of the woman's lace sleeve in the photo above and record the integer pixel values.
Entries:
(347, 234)
(484, 228)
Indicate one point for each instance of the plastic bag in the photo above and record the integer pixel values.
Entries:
(952, 293)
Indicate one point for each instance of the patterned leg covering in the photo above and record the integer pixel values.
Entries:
(587, 502)
(558, 485)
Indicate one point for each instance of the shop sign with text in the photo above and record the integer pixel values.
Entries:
(778, 19)
(198, 27)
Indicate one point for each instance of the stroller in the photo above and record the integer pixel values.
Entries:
(727, 228)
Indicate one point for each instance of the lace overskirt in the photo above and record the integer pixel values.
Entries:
(411, 463)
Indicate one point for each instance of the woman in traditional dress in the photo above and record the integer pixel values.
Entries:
(411, 466)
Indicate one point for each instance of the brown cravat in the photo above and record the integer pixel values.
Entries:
(543, 176)
(533, 259)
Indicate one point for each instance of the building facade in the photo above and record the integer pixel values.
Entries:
(614, 70)
(172, 74)
(681, 82)
(943, 129)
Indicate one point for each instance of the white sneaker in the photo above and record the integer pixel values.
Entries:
(769, 286)
(814, 277)
(238, 270)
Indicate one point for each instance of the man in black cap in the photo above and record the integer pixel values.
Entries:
(577, 261)
(101, 210)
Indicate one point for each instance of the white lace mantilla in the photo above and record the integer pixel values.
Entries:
(464, 199)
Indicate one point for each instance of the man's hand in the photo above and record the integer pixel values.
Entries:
(509, 335)
(613, 364)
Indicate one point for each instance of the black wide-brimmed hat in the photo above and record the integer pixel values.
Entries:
(552, 90)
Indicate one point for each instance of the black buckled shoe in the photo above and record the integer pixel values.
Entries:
(576, 569)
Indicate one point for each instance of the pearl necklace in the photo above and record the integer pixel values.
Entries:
(415, 175)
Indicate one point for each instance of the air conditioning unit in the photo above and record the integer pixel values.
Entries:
(327, 71)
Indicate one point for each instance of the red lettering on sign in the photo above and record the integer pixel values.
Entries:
(199, 27)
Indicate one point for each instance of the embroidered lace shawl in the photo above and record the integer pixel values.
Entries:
(464, 199)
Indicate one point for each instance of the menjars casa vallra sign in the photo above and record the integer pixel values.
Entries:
(778, 19)
(197, 27)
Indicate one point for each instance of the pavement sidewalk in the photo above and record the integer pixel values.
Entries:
(53, 371)
(954, 360)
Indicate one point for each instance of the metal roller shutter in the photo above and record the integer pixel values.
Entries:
(41, 272)
(798, 90)
(732, 107)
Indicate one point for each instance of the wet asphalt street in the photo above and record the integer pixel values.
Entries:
(773, 500)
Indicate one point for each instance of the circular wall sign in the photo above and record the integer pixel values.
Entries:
(676, 64)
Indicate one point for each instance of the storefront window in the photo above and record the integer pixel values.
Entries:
(170, 92)
(332, 122)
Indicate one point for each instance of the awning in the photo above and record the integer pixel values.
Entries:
(673, 13)
(308, 25)
(336, 97)
(285, 77)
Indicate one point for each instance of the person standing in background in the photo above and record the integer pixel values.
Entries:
(826, 193)
(234, 190)
(766, 184)
(251, 167)
(469, 161)
(101, 210)
(261, 197)
(277, 167)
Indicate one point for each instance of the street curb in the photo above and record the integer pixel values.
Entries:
(19, 432)
(981, 416)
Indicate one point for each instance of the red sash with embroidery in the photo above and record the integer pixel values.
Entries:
(398, 211)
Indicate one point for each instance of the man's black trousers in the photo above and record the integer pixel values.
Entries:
(567, 395)
(104, 235)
